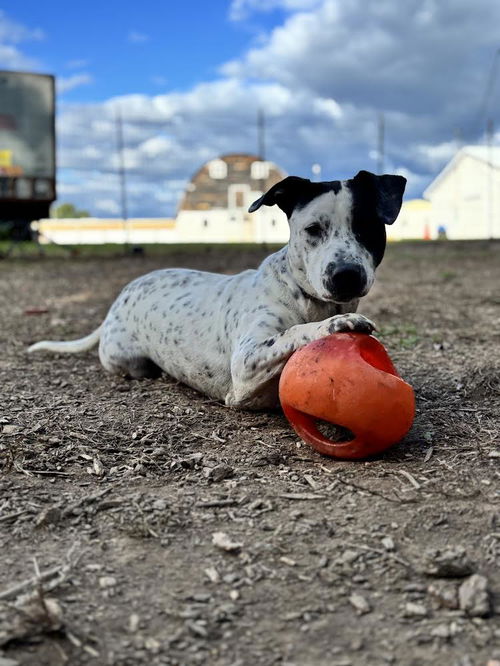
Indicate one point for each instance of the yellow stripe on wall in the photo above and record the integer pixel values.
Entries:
(108, 225)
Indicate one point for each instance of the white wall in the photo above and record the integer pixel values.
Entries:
(96, 231)
(466, 200)
(413, 222)
(266, 225)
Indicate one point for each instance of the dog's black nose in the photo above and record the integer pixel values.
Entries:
(345, 281)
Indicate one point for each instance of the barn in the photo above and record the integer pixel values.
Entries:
(214, 207)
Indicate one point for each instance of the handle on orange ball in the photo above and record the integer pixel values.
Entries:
(305, 427)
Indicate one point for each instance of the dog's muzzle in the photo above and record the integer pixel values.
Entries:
(345, 282)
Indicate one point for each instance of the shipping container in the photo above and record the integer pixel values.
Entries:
(27, 148)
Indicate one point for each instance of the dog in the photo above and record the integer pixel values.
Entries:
(229, 337)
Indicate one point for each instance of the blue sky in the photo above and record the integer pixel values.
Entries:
(189, 77)
(140, 47)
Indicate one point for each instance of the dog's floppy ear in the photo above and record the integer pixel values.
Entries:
(385, 191)
(284, 194)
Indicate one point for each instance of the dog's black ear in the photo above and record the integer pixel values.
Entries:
(386, 193)
(285, 194)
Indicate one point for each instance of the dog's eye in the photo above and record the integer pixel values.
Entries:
(314, 229)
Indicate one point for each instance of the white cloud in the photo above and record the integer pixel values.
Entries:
(13, 33)
(322, 78)
(107, 207)
(435, 155)
(12, 58)
(380, 54)
(135, 37)
(67, 83)
(328, 107)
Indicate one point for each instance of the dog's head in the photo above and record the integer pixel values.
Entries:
(337, 230)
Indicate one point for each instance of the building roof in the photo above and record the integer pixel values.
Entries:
(488, 154)
(208, 188)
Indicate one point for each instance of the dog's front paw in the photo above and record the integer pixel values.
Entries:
(351, 323)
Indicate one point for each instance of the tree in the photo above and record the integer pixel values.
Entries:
(67, 210)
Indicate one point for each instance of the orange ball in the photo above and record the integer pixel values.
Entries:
(349, 380)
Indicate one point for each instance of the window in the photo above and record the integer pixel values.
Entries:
(217, 169)
(259, 170)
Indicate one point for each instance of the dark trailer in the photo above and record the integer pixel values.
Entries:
(27, 149)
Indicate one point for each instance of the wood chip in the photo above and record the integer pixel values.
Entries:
(310, 481)
(428, 454)
(300, 496)
(410, 478)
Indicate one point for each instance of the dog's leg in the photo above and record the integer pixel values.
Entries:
(257, 363)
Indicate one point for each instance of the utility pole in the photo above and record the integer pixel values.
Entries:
(458, 135)
(122, 174)
(261, 134)
(381, 144)
(490, 133)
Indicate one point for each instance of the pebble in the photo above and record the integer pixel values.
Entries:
(452, 562)
(444, 593)
(224, 542)
(474, 597)
(107, 581)
(152, 645)
(441, 631)
(359, 603)
(212, 574)
(349, 556)
(133, 622)
(415, 610)
(218, 473)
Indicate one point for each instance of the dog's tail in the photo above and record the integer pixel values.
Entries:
(70, 346)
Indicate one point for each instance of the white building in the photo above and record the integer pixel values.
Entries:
(465, 196)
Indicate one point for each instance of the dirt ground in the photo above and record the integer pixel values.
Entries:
(112, 490)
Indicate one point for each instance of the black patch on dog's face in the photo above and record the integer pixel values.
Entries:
(293, 193)
(376, 202)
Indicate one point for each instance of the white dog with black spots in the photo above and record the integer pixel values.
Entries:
(230, 336)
